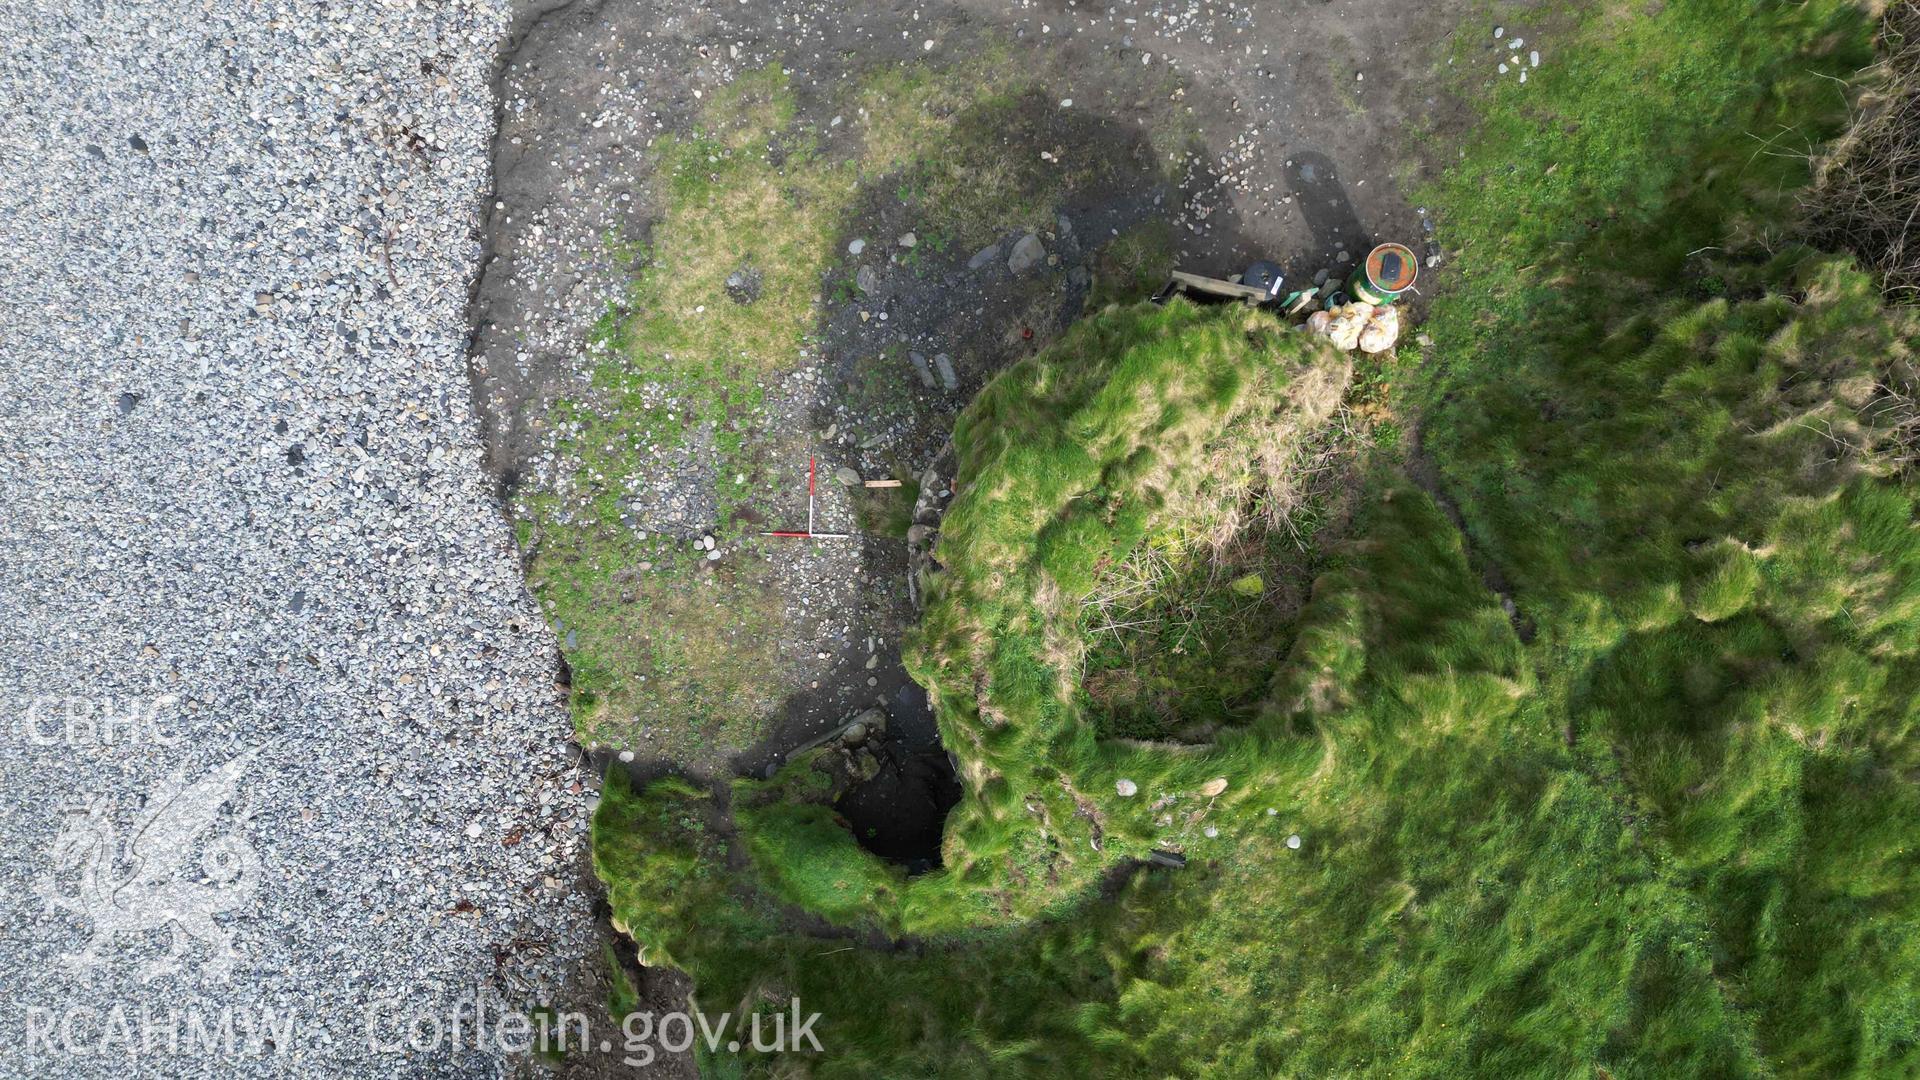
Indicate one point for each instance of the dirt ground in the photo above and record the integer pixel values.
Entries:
(1306, 121)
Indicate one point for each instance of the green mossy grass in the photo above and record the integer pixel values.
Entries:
(1671, 833)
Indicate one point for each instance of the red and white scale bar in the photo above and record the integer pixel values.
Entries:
(812, 468)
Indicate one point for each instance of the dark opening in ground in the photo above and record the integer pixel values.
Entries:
(901, 811)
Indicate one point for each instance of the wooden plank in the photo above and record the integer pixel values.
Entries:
(1218, 287)
(883, 483)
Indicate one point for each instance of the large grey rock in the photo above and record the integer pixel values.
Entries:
(1027, 252)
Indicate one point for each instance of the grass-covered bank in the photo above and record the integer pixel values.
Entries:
(1669, 427)
(1670, 835)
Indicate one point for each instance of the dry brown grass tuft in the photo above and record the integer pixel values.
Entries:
(1866, 192)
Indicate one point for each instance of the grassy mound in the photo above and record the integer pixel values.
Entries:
(1140, 421)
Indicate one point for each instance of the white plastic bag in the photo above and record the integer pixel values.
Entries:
(1382, 330)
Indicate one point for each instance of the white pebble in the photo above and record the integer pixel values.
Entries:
(1127, 789)
(1294, 841)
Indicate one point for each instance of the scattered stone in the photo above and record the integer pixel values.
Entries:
(908, 240)
(921, 369)
(948, 377)
(127, 401)
(1026, 253)
(1294, 841)
(856, 247)
(713, 556)
(1211, 832)
(1127, 789)
(743, 285)
(984, 256)
(847, 476)
(1214, 787)
(867, 279)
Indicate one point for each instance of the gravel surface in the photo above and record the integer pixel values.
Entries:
(242, 515)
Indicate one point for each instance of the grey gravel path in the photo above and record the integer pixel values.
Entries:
(242, 518)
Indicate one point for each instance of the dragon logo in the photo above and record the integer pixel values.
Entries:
(155, 881)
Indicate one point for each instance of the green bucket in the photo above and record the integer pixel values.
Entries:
(1386, 272)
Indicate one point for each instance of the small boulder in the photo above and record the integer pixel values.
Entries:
(984, 256)
(1027, 253)
(743, 285)
(847, 476)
